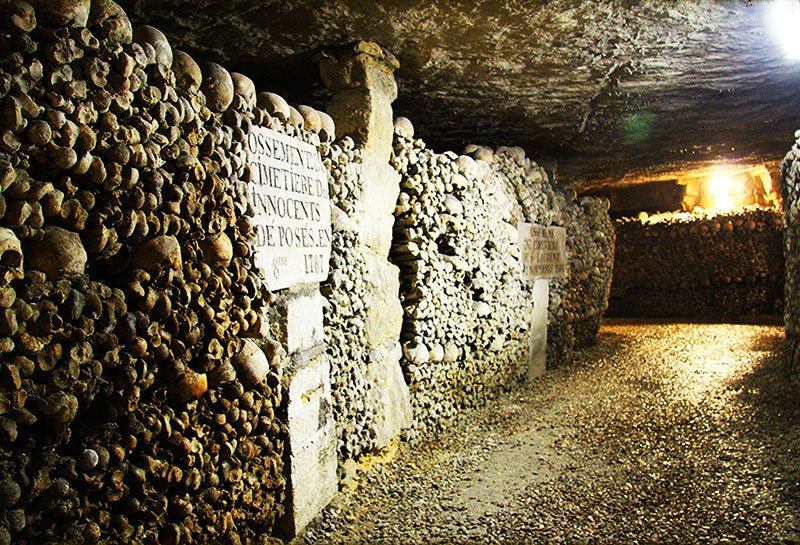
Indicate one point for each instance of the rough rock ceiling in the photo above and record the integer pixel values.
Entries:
(597, 91)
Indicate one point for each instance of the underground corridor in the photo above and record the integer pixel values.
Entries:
(409, 272)
(663, 432)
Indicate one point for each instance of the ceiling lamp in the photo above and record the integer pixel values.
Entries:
(784, 18)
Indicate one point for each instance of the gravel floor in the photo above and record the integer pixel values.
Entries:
(662, 433)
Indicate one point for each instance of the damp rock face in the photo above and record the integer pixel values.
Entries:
(729, 264)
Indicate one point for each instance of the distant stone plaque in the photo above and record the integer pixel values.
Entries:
(544, 251)
(289, 194)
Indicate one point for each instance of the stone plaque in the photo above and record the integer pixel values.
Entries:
(289, 194)
(544, 251)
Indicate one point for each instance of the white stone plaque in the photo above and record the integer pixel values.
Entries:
(544, 251)
(289, 194)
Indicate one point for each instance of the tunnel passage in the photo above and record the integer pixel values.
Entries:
(663, 432)
(219, 305)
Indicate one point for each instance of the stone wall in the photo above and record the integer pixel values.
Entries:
(296, 321)
(345, 315)
(790, 188)
(356, 397)
(691, 265)
(371, 397)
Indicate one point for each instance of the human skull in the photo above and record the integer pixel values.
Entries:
(10, 257)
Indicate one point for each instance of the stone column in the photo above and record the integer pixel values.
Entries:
(361, 76)
(537, 363)
(311, 454)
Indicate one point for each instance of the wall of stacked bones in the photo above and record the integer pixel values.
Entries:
(135, 404)
(345, 315)
(467, 310)
(578, 301)
(140, 390)
(681, 264)
(790, 187)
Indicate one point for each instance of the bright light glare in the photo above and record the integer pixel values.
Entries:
(785, 20)
(719, 192)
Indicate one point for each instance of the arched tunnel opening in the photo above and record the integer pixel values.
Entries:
(405, 272)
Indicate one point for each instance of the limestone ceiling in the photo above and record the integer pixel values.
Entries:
(597, 91)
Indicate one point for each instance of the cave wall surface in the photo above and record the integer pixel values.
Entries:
(597, 91)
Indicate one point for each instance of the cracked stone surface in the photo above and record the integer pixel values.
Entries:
(661, 433)
(596, 90)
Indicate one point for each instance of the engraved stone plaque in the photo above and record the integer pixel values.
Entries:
(544, 251)
(289, 194)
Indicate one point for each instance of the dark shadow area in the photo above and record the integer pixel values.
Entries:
(741, 304)
(771, 420)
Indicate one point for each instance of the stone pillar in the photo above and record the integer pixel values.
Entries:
(361, 76)
(311, 454)
(537, 363)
